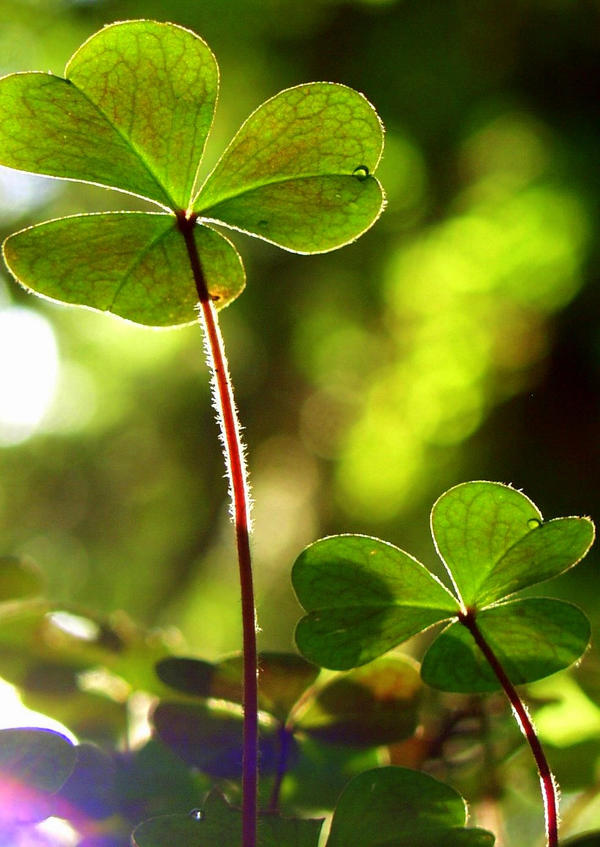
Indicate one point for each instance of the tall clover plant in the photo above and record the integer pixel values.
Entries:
(133, 112)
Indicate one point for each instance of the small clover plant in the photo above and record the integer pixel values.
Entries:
(364, 597)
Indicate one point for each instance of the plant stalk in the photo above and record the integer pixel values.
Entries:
(547, 783)
(240, 501)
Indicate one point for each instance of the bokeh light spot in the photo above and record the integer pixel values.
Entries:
(28, 372)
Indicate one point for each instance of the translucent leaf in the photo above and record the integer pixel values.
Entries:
(397, 807)
(34, 763)
(322, 771)
(493, 541)
(305, 215)
(363, 597)
(373, 705)
(298, 171)
(546, 551)
(190, 676)
(132, 264)
(283, 679)
(217, 824)
(41, 758)
(152, 780)
(532, 638)
(91, 787)
(133, 112)
(210, 738)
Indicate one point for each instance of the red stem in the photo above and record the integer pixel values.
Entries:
(236, 470)
(548, 786)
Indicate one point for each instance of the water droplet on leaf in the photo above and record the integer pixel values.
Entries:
(533, 523)
(361, 172)
(197, 814)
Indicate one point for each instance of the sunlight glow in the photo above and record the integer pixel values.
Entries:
(14, 714)
(28, 372)
(58, 832)
(83, 628)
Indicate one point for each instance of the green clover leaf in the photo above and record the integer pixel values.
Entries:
(385, 807)
(133, 113)
(34, 764)
(364, 597)
(397, 807)
(493, 541)
(218, 824)
(532, 638)
(297, 172)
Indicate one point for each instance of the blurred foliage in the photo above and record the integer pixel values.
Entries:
(458, 339)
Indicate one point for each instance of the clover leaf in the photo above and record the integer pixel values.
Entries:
(34, 764)
(398, 807)
(384, 807)
(218, 824)
(133, 113)
(369, 706)
(364, 596)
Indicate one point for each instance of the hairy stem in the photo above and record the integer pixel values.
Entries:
(237, 474)
(547, 783)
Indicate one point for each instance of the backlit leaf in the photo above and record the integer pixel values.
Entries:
(34, 763)
(131, 264)
(546, 551)
(473, 525)
(363, 597)
(190, 676)
(298, 171)
(282, 680)
(153, 780)
(397, 807)
(133, 112)
(322, 771)
(532, 638)
(372, 705)
(217, 824)
(90, 789)
(210, 739)
(493, 541)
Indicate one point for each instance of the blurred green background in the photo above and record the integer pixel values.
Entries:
(458, 339)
